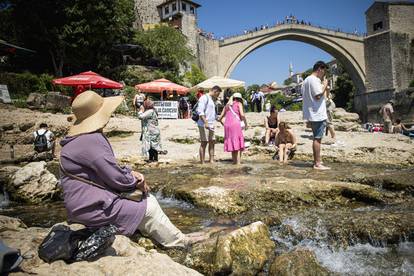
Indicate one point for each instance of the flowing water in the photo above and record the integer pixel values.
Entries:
(305, 229)
(355, 259)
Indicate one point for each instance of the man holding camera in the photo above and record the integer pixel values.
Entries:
(314, 91)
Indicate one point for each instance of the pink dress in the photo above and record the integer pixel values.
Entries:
(233, 134)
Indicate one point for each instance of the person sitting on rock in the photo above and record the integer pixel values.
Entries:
(44, 139)
(285, 142)
(399, 127)
(92, 180)
(271, 124)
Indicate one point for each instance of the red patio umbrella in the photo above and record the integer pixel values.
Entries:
(157, 86)
(88, 78)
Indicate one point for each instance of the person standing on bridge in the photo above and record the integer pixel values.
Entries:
(314, 91)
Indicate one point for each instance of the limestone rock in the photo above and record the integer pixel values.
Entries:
(9, 223)
(222, 200)
(342, 115)
(57, 101)
(33, 183)
(346, 126)
(300, 262)
(36, 100)
(7, 126)
(7, 172)
(26, 125)
(124, 257)
(241, 252)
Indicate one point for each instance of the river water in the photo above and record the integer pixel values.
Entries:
(301, 229)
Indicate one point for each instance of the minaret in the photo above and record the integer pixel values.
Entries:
(290, 70)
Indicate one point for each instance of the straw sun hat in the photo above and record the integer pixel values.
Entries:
(234, 96)
(91, 112)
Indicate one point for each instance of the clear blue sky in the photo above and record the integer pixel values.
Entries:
(271, 62)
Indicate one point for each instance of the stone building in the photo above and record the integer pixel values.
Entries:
(181, 14)
(389, 50)
(147, 14)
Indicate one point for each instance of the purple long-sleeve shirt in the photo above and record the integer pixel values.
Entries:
(90, 156)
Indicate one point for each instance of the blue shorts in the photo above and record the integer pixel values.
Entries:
(318, 129)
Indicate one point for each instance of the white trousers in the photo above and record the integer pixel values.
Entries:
(158, 226)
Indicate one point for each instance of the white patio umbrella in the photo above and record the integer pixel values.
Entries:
(220, 81)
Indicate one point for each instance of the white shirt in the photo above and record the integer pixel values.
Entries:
(314, 110)
(206, 107)
(49, 135)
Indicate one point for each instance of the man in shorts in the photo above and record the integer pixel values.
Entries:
(387, 113)
(314, 91)
(206, 109)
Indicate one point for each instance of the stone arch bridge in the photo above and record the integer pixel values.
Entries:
(221, 57)
(347, 48)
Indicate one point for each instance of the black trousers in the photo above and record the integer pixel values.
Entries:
(153, 155)
(258, 104)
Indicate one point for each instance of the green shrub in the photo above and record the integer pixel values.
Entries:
(20, 103)
(20, 85)
(296, 107)
(411, 84)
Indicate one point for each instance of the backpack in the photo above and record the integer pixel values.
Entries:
(40, 143)
(194, 114)
(68, 245)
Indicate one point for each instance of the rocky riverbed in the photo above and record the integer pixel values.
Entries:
(262, 217)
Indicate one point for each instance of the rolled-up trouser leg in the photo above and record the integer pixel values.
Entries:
(158, 226)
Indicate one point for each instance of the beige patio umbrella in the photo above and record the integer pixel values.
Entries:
(220, 81)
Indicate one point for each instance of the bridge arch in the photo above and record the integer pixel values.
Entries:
(347, 49)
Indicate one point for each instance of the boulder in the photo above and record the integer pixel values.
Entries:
(346, 126)
(9, 223)
(36, 101)
(33, 183)
(6, 173)
(56, 101)
(222, 200)
(300, 262)
(7, 126)
(342, 115)
(26, 126)
(240, 252)
(124, 257)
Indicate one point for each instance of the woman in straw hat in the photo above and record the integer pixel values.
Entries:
(234, 122)
(87, 158)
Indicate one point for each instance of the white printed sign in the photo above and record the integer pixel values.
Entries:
(4, 94)
(166, 109)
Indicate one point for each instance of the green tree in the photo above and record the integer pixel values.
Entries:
(411, 84)
(287, 81)
(306, 73)
(344, 90)
(73, 35)
(194, 76)
(166, 45)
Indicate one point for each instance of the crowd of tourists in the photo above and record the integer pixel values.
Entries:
(98, 191)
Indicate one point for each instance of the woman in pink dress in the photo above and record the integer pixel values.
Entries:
(234, 121)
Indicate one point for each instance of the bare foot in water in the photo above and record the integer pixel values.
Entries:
(196, 237)
(321, 167)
